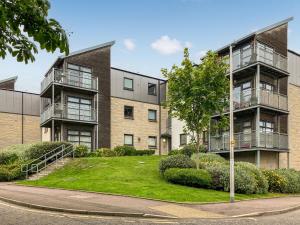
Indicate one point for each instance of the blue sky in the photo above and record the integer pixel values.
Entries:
(150, 35)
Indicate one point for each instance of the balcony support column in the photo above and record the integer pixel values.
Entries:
(258, 158)
(52, 130)
(257, 84)
(257, 127)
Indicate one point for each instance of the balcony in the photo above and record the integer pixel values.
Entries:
(247, 141)
(60, 111)
(261, 53)
(267, 98)
(69, 78)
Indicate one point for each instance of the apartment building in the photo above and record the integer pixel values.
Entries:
(86, 101)
(19, 115)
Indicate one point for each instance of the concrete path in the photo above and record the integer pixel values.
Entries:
(78, 200)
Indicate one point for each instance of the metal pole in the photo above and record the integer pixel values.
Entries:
(231, 138)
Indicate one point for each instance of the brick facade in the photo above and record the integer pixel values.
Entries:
(11, 129)
(140, 127)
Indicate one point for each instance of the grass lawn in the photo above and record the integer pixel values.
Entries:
(132, 176)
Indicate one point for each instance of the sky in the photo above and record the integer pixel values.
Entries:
(151, 34)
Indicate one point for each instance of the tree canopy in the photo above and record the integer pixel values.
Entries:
(25, 22)
(197, 92)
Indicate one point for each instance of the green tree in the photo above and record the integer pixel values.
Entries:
(197, 92)
(25, 22)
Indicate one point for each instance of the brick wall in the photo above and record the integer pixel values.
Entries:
(140, 127)
(294, 126)
(11, 129)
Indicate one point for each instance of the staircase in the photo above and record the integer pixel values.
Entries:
(48, 162)
(58, 164)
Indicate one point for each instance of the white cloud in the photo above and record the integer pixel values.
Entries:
(200, 54)
(167, 46)
(129, 44)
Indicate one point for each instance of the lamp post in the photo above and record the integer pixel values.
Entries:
(231, 137)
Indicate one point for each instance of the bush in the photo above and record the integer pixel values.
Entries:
(18, 149)
(125, 150)
(37, 150)
(293, 180)
(145, 152)
(277, 182)
(209, 158)
(105, 152)
(80, 151)
(175, 161)
(8, 157)
(283, 180)
(11, 172)
(92, 154)
(219, 173)
(262, 185)
(189, 177)
(188, 150)
(175, 152)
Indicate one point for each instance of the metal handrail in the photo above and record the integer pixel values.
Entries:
(35, 167)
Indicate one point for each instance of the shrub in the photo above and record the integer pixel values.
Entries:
(11, 172)
(105, 152)
(175, 161)
(92, 154)
(293, 180)
(189, 177)
(261, 181)
(37, 150)
(145, 152)
(175, 152)
(209, 158)
(18, 149)
(277, 182)
(8, 157)
(188, 150)
(125, 150)
(81, 151)
(219, 173)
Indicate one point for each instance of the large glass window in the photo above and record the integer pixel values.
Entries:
(265, 53)
(151, 115)
(242, 95)
(152, 143)
(79, 76)
(266, 86)
(79, 109)
(151, 89)
(128, 112)
(128, 84)
(77, 137)
(266, 126)
(128, 139)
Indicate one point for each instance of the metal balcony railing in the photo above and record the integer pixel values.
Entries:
(61, 111)
(67, 77)
(249, 54)
(250, 140)
(267, 98)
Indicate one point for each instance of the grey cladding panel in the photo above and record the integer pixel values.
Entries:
(11, 102)
(140, 87)
(294, 68)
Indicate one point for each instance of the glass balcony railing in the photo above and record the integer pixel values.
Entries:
(249, 140)
(249, 54)
(267, 98)
(61, 111)
(67, 77)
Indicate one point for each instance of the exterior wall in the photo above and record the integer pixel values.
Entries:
(140, 86)
(269, 160)
(46, 134)
(99, 61)
(140, 127)
(177, 129)
(11, 129)
(165, 130)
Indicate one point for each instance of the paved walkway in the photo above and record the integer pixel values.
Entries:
(109, 203)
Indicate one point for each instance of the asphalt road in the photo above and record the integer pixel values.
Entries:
(15, 215)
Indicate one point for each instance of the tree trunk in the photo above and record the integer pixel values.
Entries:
(197, 150)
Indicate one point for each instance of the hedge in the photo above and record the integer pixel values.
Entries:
(175, 161)
(81, 151)
(189, 177)
(105, 152)
(8, 157)
(11, 172)
(124, 150)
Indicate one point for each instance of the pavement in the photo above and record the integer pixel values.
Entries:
(78, 202)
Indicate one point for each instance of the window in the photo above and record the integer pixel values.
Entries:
(80, 138)
(79, 76)
(128, 112)
(266, 86)
(151, 89)
(265, 53)
(151, 115)
(183, 139)
(152, 143)
(79, 109)
(128, 84)
(266, 126)
(128, 139)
